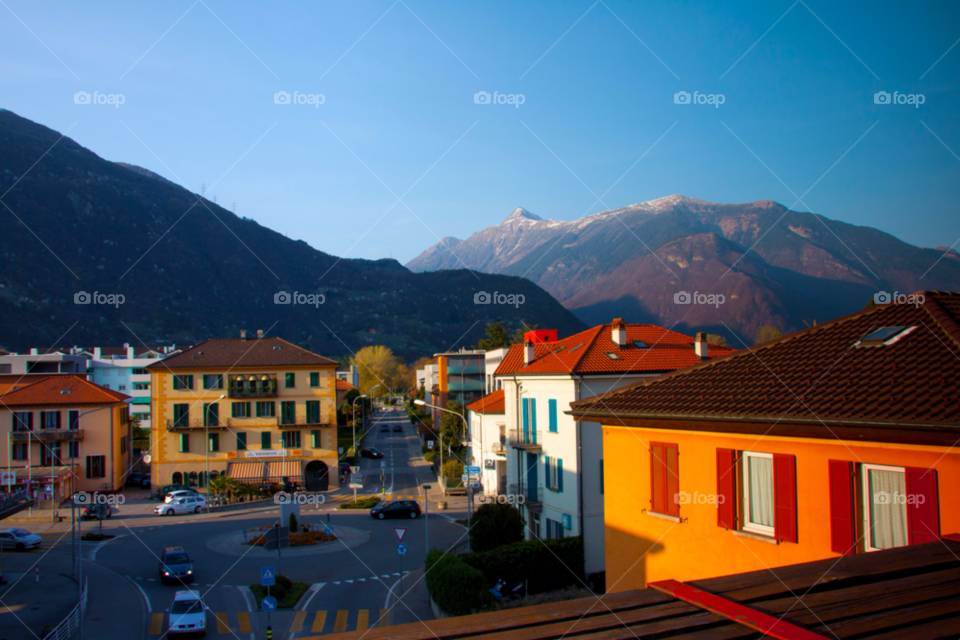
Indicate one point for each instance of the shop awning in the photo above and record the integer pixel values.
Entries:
(277, 471)
(246, 471)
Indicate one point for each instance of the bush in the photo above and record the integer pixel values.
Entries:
(455, 586)
(546, 564)
(452, 469)
(284, 582)
(293, 523)
(363, 503)
(495, 525)
(429, 456)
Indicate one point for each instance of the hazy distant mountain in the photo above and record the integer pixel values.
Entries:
(191, 270)
(630, 262)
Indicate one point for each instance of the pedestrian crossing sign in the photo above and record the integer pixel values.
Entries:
(267, 576)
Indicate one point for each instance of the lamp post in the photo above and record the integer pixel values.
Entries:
(206, 433)
(355, 452)
(442, 483)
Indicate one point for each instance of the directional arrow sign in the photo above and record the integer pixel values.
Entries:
(268, 604)
(267, 576)
(402, 549)
(400, 531)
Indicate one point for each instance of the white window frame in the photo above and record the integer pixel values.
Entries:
(867, 503)
(752, 527)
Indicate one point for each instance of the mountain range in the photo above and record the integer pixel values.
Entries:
(76, 229)
(763, 263)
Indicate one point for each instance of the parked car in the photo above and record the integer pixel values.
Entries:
(145, 481)
(182, 493)
(384, 429)
(96, 512)
(397, 428)
(372, 452)
(188, 614)
(396, 509)
(344, 468)
(163, 491)
(19, 539)
(187, 504)
(134, 479)
(175, 565)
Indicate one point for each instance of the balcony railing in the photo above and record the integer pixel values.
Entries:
(196, 424)
(499, 448)
(532, 494)
(524, 439)
(259, 387)
(47, 435)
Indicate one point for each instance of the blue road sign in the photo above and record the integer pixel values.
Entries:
(402, 549)
(383, 464)
(268, 604)
(267, 576)
(328, 530)
(473, 470)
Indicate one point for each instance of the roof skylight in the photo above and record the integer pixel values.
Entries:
(640, 344)
(612, 355)
(884, 336)
(572, 349)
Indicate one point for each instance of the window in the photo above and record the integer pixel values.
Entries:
(612, 355)
(123, 387)
(290, 380)
(96, 466)
(211, 415)
(73, 449)
(554, 472)
(139, 372)
(314, 379)
(20, 451)
(181, 415)
(664, 479)
(141, 386)
(291, 439)
(213, 381)
(266, 409)
(182, 383)
(764, 486)
(758, 493)
(640, 344)
(49, 454)
(49, 419)
(552, 409)
(313, 411)
(315, 439)
(6, 368)
(265, 440)
(241, 441)
(184, 443)
(885, 507)
(288, 412)
(123, 444)
(554, 528)
(176, 478)
(240, 409)
(23, 421)
(73, 419)
(214, 442)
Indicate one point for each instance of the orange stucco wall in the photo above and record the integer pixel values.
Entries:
(641, 548)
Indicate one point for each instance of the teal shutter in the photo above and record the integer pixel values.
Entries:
(559, 475)
(533, 418)
(546, 471)
(552, 405)
(525, 412)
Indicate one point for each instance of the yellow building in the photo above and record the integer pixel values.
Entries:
(261, 411)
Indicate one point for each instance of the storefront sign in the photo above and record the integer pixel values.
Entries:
(267, 453)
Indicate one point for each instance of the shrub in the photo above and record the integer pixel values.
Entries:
(284, 582)
(547, 565)
(363, 503)
(452, 469)
(454, 585)
(495, 525)
(293, 523)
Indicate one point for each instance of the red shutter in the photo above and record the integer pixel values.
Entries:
(726, 489)
(923, 506)
(672, 479)
(785, 497)
(656, 478)
(843, 532)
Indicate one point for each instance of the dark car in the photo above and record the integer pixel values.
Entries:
(145, 481)
(384, 429)
(372, 452)
(175, 565)
(170, 488)
(96, 512)
(134, 479)
(396, 509)
(344, 468)
(397, 428)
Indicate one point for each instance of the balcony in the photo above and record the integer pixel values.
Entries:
(196, 424)
(527, 440)
(532, 494)
(499, 448)
(252, 386)
(464, 369)
(47, 435)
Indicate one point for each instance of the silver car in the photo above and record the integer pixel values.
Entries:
(19, 539)
(187, 504)
(188, 614)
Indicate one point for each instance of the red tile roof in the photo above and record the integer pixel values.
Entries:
(61, 390)
(586, 352)
(234, 352)
(343, 385)
(817, 375)
(493, 403)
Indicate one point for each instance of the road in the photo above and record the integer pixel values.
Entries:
(351, 587)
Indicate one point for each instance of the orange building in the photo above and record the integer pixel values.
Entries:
(838, 439)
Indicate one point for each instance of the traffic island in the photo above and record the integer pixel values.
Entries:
(286, 592)
(238, 544)
(363, 503)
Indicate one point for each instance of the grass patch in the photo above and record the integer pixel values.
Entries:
(285, 591)
(362, 503)
(97, 537)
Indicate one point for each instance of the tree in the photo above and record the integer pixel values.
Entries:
(222, 484)
(497, 336)
(451, 426)
(494, 525)
(767, 333)
(717, 339)
(378, 366)
(517, 337)
(452, 469)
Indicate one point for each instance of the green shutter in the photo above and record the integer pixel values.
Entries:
(313, 412)
(214, 442)
(316, 439)
(241, 441)
(552, 406)
(265, 440)
(533, 419)
(314, 379)
(291, 380)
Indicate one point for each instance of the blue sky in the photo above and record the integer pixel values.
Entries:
(598, 119)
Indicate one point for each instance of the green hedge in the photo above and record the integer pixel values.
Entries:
(457, 587)
(547, 565)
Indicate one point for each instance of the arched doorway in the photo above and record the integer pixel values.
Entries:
(177, 478)
(315, 476)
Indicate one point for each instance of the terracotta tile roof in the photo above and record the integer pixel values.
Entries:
(234, 352)
(586, 352)
(343, 385)
(493, 403)
(818, 374)
(61, 390)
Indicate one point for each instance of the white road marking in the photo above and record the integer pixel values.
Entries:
(144, 594)
(313, 591)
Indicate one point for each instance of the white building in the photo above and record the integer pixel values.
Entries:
(486, 442)
(350, 375)
(124, 369)
(552, 461)
(44, 361)
(492, 360)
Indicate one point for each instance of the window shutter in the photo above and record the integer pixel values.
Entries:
(671, 482)
(843, 532)
(546, 472)
(656, 478)
(524, 411)
(923, 517)
(559, 475)
(726, 487)
(785, 497)
(533, 419)
(552, 406)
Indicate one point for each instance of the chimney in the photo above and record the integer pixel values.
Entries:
(618, 332)
(700, 346)
(129, 351)
(243, 335)
(259, 334)
(33, 351)
(96, 353)
(528, 353)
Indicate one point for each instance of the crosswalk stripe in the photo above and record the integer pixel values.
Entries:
(384, 620)
(244, 618)
(341, 622)
(297, 625)
(363, 619)
(156, 624)
(223, 623)
(319, 621)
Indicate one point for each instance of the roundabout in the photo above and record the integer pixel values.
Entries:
(237, 544)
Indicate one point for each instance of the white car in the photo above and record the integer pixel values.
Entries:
(183, 493)
(19, 539)
(188, 614)
(186, 504)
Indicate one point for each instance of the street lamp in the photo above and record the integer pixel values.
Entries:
(206, 433)
(442, 481)
(355, 425)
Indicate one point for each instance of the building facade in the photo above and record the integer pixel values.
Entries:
(124, 369)
(260, 411)
(487, 442)
(460, 377)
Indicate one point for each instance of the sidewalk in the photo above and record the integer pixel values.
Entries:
(28, 609)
